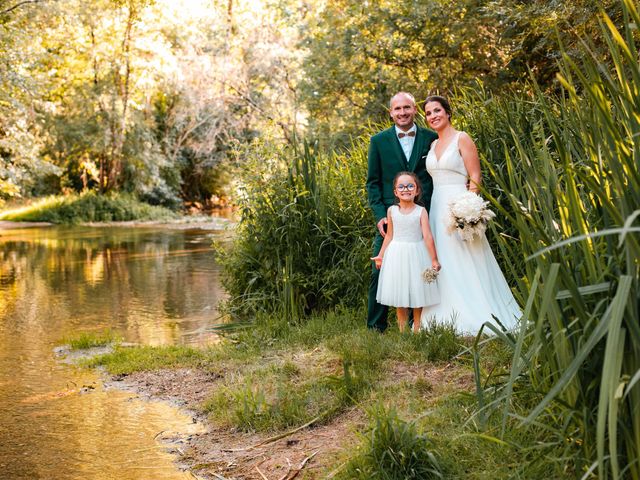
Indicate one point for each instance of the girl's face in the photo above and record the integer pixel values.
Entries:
(436, 115)
(406, 188)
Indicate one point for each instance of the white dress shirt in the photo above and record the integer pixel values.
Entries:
(407, 142)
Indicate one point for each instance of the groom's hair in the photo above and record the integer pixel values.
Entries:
(411, 97)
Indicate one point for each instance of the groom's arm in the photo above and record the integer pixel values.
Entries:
(374, 181)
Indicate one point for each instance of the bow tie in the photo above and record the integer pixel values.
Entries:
(408, 134)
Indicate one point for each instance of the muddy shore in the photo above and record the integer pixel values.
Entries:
(308, 453)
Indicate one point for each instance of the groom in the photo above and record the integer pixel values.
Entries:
(403, 147)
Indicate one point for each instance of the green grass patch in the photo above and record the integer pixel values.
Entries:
(392, 449)
(266, 407)
(87, 207)
(125, 360)
(416, 425)
(348, 363)
(86, 340)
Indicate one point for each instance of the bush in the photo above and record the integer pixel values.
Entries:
(88, 207)
(303, 239)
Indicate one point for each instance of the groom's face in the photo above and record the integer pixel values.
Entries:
(402, 111)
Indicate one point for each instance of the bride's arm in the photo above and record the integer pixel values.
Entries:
(469, 154)
(427, 237)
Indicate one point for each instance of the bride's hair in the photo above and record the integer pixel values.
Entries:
(441, 100)
(418, 198)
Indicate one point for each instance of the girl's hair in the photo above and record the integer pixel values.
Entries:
(418, 197)
(441, 100)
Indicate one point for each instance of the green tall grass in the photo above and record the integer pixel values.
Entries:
(303, 240)
(392, 449)
(565, 176)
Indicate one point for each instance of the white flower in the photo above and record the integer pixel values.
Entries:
(468, 215)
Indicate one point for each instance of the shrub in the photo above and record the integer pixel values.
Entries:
(88, 207)
(302, 243)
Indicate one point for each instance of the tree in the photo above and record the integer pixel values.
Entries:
(361, 53)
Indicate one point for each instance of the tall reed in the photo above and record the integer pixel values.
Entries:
(565, 175)
(305, 231)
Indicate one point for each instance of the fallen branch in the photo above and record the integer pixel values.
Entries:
(261, 474)
(275, 437)
(301, 467)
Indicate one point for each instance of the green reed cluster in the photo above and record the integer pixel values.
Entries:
(565, 177)
(303, 239)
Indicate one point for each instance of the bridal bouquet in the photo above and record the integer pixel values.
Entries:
(468, 215)
(430, 275)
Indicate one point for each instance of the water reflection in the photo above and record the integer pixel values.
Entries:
(151, 286)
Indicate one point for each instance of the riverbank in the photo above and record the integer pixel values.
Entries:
(5, 225)
(317, 450)
(323, 399)
(180, 223)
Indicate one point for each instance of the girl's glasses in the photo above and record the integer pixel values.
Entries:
(409, 187)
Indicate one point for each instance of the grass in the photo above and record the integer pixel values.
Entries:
(392, 449)
(566, 178)
(87, 340)
(87, 207)
(126, 360)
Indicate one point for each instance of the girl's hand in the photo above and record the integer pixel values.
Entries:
(435, 264)
(378, 261)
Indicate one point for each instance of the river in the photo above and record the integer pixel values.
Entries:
(149, 285)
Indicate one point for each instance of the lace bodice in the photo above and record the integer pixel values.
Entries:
(406, 227)
(449, 169)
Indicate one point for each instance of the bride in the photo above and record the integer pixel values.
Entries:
(473, 289)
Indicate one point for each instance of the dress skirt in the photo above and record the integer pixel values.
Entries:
(473, 289)
(400, 283)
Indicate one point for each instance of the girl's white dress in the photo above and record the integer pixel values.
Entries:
(472, 286)
(406, 257)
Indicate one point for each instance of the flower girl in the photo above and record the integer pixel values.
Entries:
(408, 258)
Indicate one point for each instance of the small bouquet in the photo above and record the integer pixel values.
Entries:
(430, 275)
(468, 215)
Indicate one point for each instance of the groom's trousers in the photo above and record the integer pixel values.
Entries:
(376, 313)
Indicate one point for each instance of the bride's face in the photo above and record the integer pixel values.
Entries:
(436, 115)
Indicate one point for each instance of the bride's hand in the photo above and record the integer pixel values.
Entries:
(435, 264)
(378, 261)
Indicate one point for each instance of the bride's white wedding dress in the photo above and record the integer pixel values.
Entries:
(472, 286)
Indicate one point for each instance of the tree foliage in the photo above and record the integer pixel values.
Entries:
(360, 53)
(138, 95)
(153, 96)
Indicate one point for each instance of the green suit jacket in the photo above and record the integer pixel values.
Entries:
(386, 159)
